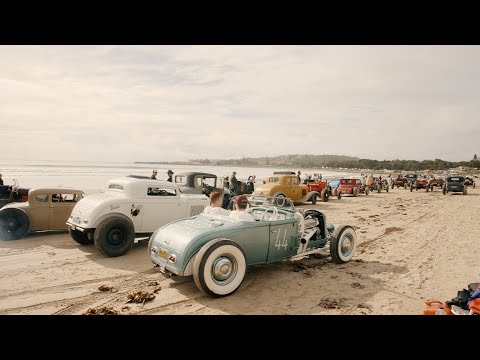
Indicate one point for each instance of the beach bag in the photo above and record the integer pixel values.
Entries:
(461, 300)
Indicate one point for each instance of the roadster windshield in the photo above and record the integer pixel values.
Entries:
(278, 202)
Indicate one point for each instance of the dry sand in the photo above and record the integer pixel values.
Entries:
(412, 247)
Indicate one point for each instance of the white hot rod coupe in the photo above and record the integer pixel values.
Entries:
(132, 206)
(217, 249)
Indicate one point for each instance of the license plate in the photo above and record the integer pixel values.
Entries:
(163, 253)
(74, 227)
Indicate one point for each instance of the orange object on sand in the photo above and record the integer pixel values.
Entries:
(433, 305)
(475, 305)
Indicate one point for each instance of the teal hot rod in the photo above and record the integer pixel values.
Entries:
(216, 249)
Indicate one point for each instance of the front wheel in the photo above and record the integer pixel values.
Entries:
(219, 268)
(14, 224)
(314, 199)
(79, 237)
(342, 244)
(339, 195)
(114, 236)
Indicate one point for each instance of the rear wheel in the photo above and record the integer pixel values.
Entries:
(14, 224)
(355, 192)
(219, 268)
(80, 237)
(114, 236)
(324, 195)
(342, 244)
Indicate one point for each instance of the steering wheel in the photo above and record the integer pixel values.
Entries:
(274, 212)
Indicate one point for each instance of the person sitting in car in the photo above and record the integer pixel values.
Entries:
(215, 207)
(241, 203)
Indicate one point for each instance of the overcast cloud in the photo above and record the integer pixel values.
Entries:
(153, 103)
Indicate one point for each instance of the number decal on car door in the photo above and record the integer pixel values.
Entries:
(281, 243)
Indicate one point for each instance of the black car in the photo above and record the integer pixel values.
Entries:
(455, 184)
(411, 178)
(469, 181)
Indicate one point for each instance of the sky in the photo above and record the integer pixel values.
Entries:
(175, 103)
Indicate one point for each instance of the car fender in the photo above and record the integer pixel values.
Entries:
(309, 196)
(110, 214)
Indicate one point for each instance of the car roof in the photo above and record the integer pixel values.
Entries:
(56, 190)
(194, 173)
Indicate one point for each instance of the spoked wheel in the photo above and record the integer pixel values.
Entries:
(14, 224)
(219, 268)
(342, 244)
(324, 195)
(280, 200)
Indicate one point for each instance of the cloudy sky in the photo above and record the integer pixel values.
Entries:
(149, 103)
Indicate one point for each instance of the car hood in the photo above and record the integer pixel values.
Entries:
(264, 188)
(179, 234)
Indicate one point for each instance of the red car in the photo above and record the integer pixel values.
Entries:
(323, 188)
(399, 182)
(420, 183)
(351, 187)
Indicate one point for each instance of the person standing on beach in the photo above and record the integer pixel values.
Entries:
(170, 174)
(299, 175)
(234, 183)
(1, 180)
(154, 175)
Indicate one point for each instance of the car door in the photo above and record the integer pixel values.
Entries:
(283, 237)
(39, 211)
(295, 189)
(162, 205)
(60, 209)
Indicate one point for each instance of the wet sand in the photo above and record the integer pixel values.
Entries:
(412, 247)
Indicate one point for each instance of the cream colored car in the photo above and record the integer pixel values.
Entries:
(46, 209)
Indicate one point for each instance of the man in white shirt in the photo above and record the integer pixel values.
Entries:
(215, 207)
(241, 203)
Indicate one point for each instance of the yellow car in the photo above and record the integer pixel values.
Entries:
(285, 185)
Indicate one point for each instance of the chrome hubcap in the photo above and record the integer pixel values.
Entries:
(222, 269)
(346, 246)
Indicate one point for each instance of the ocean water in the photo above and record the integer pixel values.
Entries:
(92, 177)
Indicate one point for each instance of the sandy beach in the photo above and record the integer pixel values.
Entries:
(413, 246)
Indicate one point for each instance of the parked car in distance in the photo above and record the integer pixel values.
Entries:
(216, 249)
(420, 183)
(351, 187)
(410, 180)
(132, 206)
(470, 181)
(285, 184)
(46, 209)
(203, 183)
(319, 186)
(454, 184)
(12, 193)
(435, 182)
(400, 181)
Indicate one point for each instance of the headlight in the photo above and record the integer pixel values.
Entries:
(153, 250)
(172, 259)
